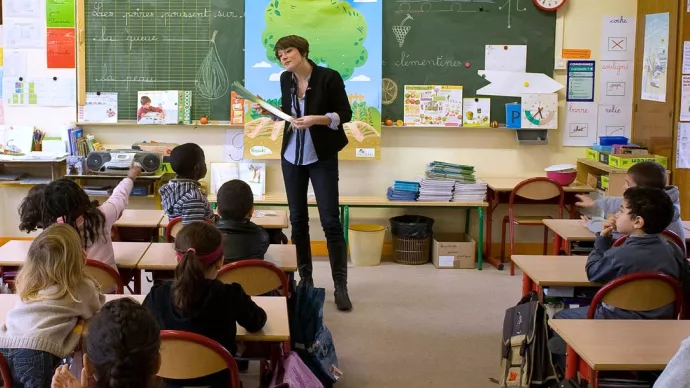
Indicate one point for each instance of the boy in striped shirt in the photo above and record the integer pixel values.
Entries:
(182, 196)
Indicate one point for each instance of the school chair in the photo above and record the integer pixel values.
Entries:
(257, 277)
(5, 373)
(186, 355)
(174, 227)
(108, 279)
(667, 234)
(641, 291)
(537, 190)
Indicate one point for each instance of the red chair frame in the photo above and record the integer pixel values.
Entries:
(259, 263)
(5, 372)
(168, 237)
(511, 216)
(112, 272)
(670, 235)
(209, 344)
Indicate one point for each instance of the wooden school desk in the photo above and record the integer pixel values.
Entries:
(567, 231)
(498, 192)
(596, 345)
(161, 257)
(552, 271)
(347, 202)
(269, 219)
(140, 218)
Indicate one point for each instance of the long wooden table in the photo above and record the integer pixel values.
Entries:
(498, 192)
(552, 271)
(161, 257)
(347, 202)
(618, 345)
(127, 254)
(140, 218)
(566, 232)
(269, 219)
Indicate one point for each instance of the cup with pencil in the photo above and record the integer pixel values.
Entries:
(38, 140)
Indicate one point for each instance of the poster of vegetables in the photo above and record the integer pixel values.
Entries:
(476, 112)
(433, 105)
(343, 35)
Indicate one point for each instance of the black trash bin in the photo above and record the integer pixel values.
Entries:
(411, 239)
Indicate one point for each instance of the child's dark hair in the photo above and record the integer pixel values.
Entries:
(199, 247)
(31, 209)
(653, 205)
(65, 200)
(648, 174)
(145, 100)
(123, 345)
(235, 200)
(185, 157)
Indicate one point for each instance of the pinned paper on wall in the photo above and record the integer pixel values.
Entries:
(233, 148)
(21, 8)
(615, 120)
(655, 57)
(685, 99)
(616, 82)
(60, 13)
(580, 81)
(100, 107)
(686, 57)
(14, 63)
(23, 33)
(512, 84)
(60, 48)
(683, 146)
(580, 124)
(506, 58)
(618, 38)
(58, 91)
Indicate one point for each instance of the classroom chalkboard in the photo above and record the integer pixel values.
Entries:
(134, 45)
(431, 42)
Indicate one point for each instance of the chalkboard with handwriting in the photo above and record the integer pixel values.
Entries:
(443, 43)
(134, 45)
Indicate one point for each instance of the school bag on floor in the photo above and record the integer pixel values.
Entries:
(309, 336)
(291, 372)
(525, 359)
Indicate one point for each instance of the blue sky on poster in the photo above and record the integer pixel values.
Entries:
(262, 77)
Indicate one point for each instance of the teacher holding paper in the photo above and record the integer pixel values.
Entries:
(316, 99)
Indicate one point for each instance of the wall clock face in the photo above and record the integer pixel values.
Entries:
(549, 5)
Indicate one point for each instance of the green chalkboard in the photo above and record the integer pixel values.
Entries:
(430, 42)
(134, 45)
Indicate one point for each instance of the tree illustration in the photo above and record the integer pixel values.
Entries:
(334, 29)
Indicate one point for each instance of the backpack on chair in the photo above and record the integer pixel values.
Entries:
(525, 358)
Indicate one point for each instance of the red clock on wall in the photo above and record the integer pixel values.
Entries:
(549, 5)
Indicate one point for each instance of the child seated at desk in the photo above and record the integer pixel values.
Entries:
(182, 196)
(243, 239)
(643, 174)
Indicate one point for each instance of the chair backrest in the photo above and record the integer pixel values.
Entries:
(172, 229)
(538, 189)
(186, 355)
(667, 234)
(5, 372)
(107, 277)
(257, 277)
(641, 291)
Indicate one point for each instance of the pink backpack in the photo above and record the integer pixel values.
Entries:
(293, 373)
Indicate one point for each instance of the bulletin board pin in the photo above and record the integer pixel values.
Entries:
(21, 78)
(98, 93)
(476, 100)
(505, 47)
(54, 78)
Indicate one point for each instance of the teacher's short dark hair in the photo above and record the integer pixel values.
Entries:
(284, 43)
(235, 200)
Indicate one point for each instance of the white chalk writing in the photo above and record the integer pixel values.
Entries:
(132, 39)
(439, 61)
(99, 12)
(137, 14)
(105, 38)
(188, 15)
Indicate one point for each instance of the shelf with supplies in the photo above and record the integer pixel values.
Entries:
(132, 123)
(29, 172)
(99, 186)
(610, 180)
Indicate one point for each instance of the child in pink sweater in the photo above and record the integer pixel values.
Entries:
(63, 201)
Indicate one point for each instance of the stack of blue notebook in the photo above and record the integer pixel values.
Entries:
(403, 191)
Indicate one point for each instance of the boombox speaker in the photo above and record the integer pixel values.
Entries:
(117, 162)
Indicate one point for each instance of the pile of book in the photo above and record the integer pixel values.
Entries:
(403, 191)
(450, 182)
(449, 171)
(469, 192)
(435, 190)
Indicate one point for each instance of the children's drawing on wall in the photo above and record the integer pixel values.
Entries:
(343, 35)
(655, 57)
(254, 175)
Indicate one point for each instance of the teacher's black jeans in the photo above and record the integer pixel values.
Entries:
(324, 179)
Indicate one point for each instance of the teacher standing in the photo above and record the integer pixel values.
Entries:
(315, 97)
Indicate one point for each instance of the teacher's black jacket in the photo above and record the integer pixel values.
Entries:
(325, 94)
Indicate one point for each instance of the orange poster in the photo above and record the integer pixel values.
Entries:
(60, 48)
(577, 53)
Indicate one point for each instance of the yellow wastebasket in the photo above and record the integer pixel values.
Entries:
(366, 244)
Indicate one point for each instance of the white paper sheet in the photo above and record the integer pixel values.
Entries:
(618, 38)
(685, 98)
(14, 63)
(580, 124)
(505, 58)
(24, 33)
(233, 148)
(616, 82)
(21, 8)
(615, 120)
(683, 146)
(40, 91)
(686, 56)
(655, 57)
(512, 84)
(221, 173)
(255, 176)
(247, 95)
(99, 108)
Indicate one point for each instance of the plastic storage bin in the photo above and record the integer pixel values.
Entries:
(611, 140)
(366, 244)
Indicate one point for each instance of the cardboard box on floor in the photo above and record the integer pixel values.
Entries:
(453, 250)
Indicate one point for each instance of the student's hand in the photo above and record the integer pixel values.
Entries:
(63, 379)
(585, 220)
(87, 379)
(134, 171)
(584, 200)
(260, 109)
(305, 122)
(608, 227)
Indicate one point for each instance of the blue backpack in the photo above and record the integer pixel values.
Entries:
(309, 336)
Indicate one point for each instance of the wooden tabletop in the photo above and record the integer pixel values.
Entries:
(269, 219)
(277, 328)
(127, 254)
(361, 201)
(622, 345)
(508, 184)
(686, 225)
(570, 230)
(140, 218)
(554, 271)
(161, 257)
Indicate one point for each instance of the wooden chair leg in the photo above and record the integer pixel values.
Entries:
(503, 240)
(512, 247)
(546, 240)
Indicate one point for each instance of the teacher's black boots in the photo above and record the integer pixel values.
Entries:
(342, 299)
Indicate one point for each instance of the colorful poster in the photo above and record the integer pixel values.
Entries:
(476, 112)
(540, 110)
(344, 36)
(655, 57)
(580, 81)
(59, 13)
(433, 105)
(60, 48)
